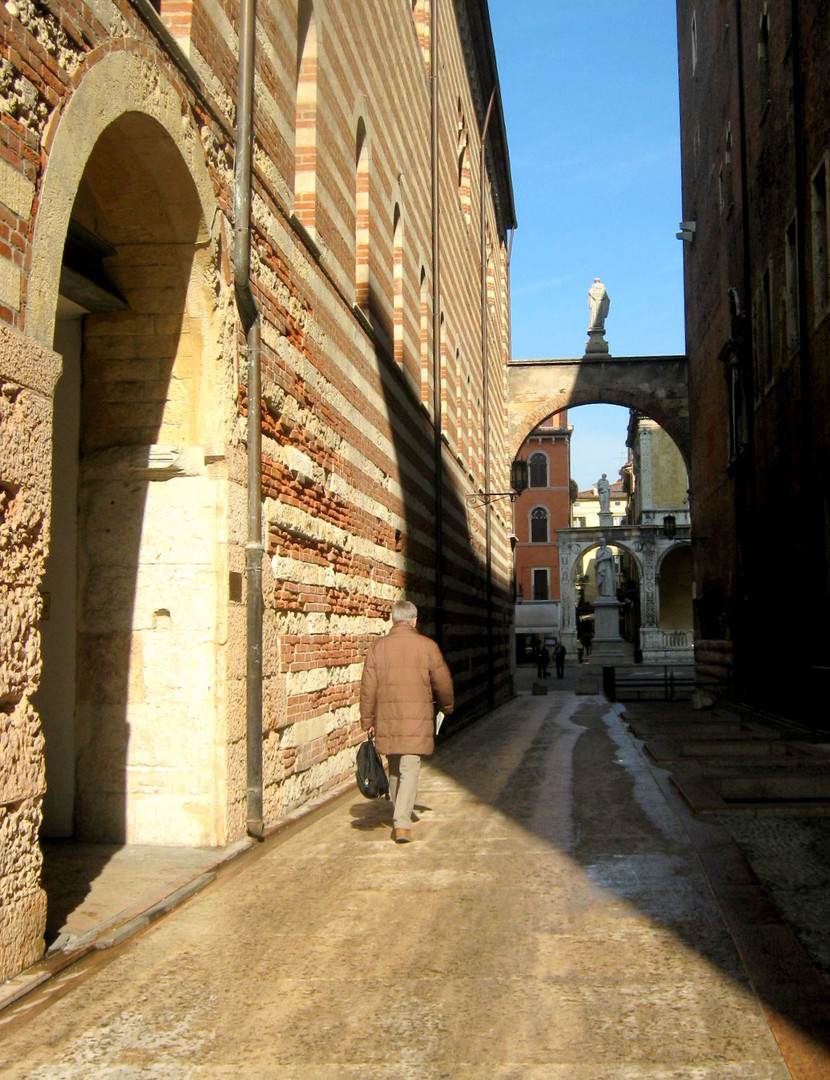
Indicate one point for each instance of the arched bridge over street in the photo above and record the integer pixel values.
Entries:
(656, 386)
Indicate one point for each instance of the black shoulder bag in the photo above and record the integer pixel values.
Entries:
(371, 776)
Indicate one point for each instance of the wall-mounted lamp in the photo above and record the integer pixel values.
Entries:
(519, 476)
(518, 482)
(669, 526)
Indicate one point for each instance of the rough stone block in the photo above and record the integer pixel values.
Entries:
(237, 769)
(18, 191)
(23, 910)
(10, 284)
(273, 766)
(22, 926)
(28, 364)
(23, 774)
(26, 423)
(237, 661)
(24, 535)
(274, 703)
(20, 660)
(236, 710)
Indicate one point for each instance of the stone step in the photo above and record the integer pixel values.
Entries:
(772, 764)
(693, 729)
(796, 794)
(755, 787)
(745, 747)
(666, 750)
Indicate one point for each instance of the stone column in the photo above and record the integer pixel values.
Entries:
(649, 614)
(28, 375)
(567, 612)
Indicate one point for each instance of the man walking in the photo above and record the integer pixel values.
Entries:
(559, 659)
(403, 675)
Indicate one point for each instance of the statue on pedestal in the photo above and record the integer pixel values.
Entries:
(604, 571)
(604, 493)
(599, 302)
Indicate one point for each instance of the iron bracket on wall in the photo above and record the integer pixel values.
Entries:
(484, 498)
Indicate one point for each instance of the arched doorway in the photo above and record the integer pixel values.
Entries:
(133, 691)
(676, 617)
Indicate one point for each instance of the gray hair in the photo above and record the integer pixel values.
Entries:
(404, 611)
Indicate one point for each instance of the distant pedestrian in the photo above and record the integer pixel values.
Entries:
(542, 661)
(559, 659)
(404, 677)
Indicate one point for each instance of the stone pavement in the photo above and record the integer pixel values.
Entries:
(560, 914)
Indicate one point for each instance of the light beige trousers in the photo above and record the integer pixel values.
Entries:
(404, 771)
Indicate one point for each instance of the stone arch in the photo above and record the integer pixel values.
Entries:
(544, 407)
(143, 705)
(672, 550)
(306, 112)
(122, 81)
(574, 545)
(655, 386)
(533, 417)
(675, 573)
(579, 551)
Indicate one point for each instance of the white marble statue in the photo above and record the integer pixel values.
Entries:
(604, 571)
(604, 493)
(599, 302)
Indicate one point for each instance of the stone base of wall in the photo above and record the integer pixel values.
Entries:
(681, 657)
(28, 374)
(23, 912)
(713, 663)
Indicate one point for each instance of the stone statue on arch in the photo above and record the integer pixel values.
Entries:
(598, 302)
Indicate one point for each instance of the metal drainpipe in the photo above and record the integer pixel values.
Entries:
(812, 514)
(436, 328)
(249, 317)
(485, 378)
(745, 500)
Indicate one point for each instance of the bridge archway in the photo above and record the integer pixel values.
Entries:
(656, 386)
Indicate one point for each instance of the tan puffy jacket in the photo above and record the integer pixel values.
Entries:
(403, 675)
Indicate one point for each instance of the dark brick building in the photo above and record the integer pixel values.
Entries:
(755, 129)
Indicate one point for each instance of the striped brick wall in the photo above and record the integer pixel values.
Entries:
(348, 430)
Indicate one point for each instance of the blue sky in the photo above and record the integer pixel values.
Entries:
(591, 107)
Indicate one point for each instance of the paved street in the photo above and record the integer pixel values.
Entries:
(551, 920)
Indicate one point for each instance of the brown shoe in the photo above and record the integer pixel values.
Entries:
(402, 836)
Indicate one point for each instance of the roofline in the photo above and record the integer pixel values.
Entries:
(485, 79)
